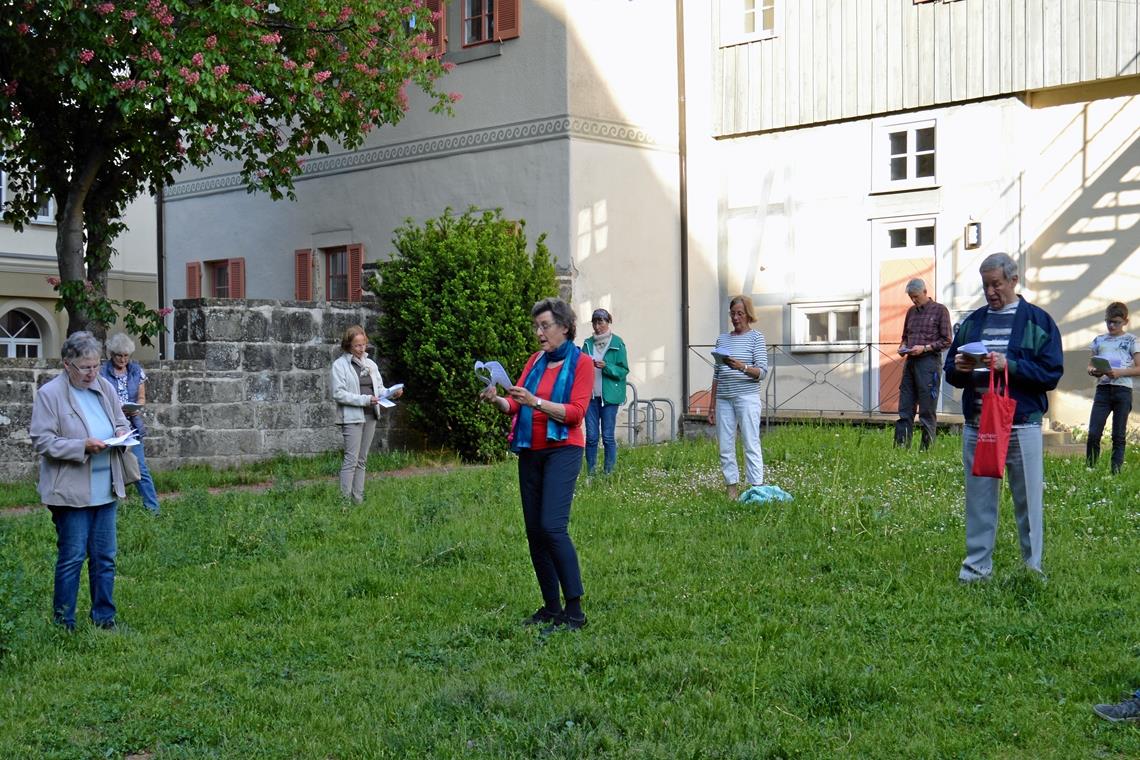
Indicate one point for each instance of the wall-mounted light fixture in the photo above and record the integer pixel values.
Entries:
(972, 235)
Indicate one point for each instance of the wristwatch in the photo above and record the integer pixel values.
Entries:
(537, 402)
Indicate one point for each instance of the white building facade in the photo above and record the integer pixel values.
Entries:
(860, 143)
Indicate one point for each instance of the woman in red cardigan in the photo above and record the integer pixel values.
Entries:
(549, 403)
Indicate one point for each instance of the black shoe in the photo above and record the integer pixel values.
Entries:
(543, 615)
(564, 622)
(106, 625)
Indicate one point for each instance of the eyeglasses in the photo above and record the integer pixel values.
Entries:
(84, 370)
(120, 356)
(544, 326)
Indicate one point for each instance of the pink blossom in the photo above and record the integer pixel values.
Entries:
(321, 76)
(255, 99)
(10, 89)
(374, 113)
(221, 70)
(22, 29)
(448, 65)
(85, 56)
(188, 76)
(436, 16)
(345, 12)
(105, 9)
(300, 162)
(128, 14)
(289, 64)
(124, 84)
(109, 40)
(164, 311)
(241, 87)
(54, 281)
(311, 53)
(211, 42)
(454, 97)
(197, 59)
(270, 39)
(209, 131)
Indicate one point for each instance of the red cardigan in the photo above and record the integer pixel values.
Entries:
(575, 408)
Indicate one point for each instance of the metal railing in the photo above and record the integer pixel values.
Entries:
(644, 414)
(845, 379)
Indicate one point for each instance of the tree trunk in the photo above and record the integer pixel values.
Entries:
(69, 240)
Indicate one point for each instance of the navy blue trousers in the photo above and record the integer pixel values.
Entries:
(546, 483)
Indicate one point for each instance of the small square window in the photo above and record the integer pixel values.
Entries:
(747, 20)
(904, 156)
(821, 326)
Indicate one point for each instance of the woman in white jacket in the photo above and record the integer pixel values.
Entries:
(356, 388)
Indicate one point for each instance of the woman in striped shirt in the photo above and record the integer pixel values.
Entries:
(736, 394)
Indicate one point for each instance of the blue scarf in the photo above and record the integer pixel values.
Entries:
(568, 354)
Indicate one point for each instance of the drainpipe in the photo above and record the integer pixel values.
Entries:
(161, 263)
(683, 188)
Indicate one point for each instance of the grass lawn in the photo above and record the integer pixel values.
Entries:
(281, 624)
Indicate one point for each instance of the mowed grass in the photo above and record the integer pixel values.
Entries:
(282, 624)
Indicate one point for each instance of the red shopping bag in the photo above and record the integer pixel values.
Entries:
(994, 430)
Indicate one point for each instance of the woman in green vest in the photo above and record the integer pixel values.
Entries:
(611, 365)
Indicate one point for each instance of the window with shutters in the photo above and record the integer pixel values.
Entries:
(225, 278)
(486, 21)
(748, 20)
(905, 156)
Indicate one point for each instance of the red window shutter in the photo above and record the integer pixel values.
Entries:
(237, 278)
(194, 279)
(437, 33)
(507, 20)
(303, 274)
(355, 271)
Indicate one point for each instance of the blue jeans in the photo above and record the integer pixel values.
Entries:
(1115, 400)
(146, 484)
(546, 483)
(604, 416)
(84, 533)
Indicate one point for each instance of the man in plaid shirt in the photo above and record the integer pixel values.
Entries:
(926, 334)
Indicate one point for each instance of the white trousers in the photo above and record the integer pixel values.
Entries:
(742, 412)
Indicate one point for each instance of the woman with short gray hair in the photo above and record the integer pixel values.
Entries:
(548, 405)
(129, 379)
(73, 415)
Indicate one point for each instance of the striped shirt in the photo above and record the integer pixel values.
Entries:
(749, 348)
(995, 336)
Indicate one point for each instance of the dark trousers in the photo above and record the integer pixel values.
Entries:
(1115, 400)
(919, 390)
(546, 483)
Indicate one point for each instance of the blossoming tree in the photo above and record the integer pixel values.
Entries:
(100, 102)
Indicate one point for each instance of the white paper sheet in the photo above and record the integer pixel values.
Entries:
(492, 373)
(126, 439)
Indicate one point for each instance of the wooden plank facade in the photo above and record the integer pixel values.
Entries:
(839, 59)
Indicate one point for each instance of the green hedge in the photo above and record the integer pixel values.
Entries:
(460, 289)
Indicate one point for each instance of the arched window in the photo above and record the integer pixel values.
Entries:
(19, 336)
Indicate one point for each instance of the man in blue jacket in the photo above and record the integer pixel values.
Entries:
(1023, 338)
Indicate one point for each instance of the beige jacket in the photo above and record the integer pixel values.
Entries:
(59, 434)
(344, 383)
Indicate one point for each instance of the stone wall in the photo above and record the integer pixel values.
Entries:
(250, 380)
